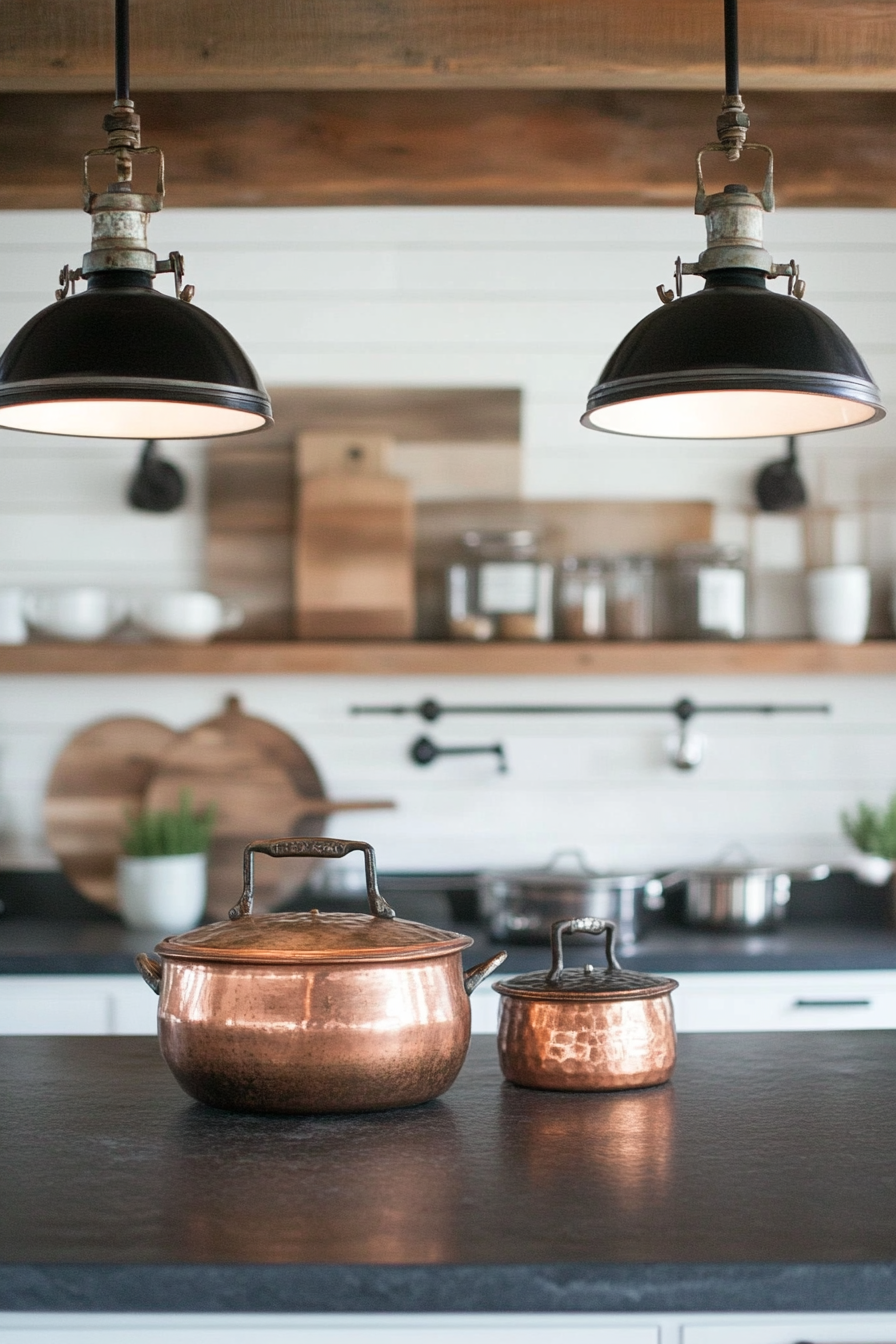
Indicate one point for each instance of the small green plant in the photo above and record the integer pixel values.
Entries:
(152, 835)
(871, 830)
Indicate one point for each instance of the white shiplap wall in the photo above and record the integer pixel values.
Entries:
(534, 298)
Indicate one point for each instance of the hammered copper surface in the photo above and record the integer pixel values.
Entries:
(586, 1045)
(315, 1039)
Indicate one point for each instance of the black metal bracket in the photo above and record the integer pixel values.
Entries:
(424, 751)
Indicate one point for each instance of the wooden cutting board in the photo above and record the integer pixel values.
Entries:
(100, 776)
(354, 559)
(263, 785)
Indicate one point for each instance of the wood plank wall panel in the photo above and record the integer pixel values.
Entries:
(471, 147)
(511, 299)
(276, 44)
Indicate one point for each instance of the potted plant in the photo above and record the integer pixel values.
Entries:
(873, 832)
(162, 872)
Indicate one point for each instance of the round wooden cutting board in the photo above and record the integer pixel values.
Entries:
(263, 785)
(100, 777)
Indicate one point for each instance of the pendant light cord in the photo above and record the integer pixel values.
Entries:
(732, 63)
(733, 124)
(123, 52)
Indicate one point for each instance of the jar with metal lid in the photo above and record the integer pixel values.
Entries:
(583, 599)
(630, 597)
(710, 591)
(501, 590)
(585, 1030)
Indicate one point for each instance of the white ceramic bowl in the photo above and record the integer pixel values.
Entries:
(191, 617)
(75, 613)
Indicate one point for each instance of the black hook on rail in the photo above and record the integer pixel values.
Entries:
(424, 751)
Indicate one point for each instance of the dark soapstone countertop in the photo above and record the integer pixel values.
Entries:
(47, 928)
(760, 1179)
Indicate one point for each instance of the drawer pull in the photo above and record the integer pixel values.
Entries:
(832, 1003)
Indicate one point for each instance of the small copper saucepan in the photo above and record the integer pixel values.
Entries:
(581, 1030)
(304, 1012)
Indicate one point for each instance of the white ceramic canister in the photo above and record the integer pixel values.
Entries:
(165, 894)
(189, 616)
(839, 603)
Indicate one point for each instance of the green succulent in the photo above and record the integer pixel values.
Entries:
(152, 835)
(871, 830)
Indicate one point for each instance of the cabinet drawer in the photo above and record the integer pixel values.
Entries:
(797, 1330)
(786, 1001)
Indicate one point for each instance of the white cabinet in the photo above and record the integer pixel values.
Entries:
(17, 1328)
(761, 1001)
(76, 1005)
(122, 1005)
(509, 1328)
(786, 1001)
(878, 1328)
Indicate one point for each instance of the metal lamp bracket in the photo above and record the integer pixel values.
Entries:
(766, 195)
(175, 266)
(149, 201)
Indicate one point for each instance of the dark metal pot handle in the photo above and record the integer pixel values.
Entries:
(295, 848)
(587, 924)
(151, 970)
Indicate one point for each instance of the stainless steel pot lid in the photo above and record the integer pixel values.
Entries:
(584, 982)
(565, 867)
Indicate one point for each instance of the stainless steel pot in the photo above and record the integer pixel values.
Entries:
(521, 905)
(738, 897)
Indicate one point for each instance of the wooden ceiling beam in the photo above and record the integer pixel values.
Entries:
(66, 45)
(486, 147)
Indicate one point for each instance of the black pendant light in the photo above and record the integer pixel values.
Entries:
(121, 360)
(734, 360)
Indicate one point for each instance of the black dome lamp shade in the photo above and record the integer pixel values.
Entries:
(121, 360)
(735, 360)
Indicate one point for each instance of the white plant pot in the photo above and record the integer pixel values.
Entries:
(165, 895)
(871, 868)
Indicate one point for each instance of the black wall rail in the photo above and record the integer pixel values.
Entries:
(683, 710)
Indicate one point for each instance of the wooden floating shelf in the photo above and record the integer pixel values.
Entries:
(423, 658)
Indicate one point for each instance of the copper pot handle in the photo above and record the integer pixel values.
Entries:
(294, 848)
(151, 970)
(587, 924)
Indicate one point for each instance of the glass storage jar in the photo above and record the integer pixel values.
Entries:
(710, 588)
(501, 590)
(630, 597)
(583, 599)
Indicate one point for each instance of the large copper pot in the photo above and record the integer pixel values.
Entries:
(303, 1012)
(581, 1030)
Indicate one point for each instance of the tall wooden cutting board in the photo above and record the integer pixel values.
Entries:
(354, 570)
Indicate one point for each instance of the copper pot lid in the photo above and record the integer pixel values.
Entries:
(302, 936)
(584, 982)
